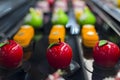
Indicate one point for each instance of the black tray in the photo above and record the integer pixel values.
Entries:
(14, 74)
(37, 68)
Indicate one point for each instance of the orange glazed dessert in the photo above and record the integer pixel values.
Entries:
(24, 37)
(87, 27)
(57, 31)
(89, 36)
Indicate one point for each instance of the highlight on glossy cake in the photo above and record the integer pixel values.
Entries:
(57, 31)
(89, 36)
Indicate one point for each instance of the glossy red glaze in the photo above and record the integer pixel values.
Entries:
(60, 55)
(10, 55)
(106, 55)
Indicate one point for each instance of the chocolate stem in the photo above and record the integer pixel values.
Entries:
(59, 40)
